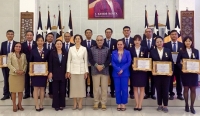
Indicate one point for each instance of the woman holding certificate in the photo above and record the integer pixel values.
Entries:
(121, 60)
(77, 71)
(57, 70)
(17, 64)
(139, 78)
(161, 81)
(189, 80)
(39, 54)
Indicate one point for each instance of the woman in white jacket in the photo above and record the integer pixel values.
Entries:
(77, 71)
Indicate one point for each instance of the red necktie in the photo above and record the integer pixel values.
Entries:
(29, 45)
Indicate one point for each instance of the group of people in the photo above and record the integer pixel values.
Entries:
(70, 65)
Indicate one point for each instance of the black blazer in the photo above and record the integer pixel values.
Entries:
(70, 45)
(26, 50)
(4, 46)
(113, 44)
(167, 56)
(143, 52)
(84, 43)
(144, 44)
(169, 46)
(183, 54)
(57, 68)
(52, 47)
(130, 44)
(35, 56)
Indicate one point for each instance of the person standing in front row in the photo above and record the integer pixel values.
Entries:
(39, 54)
(17, 64)
(139, 78)
(121, 60)
(189, 80)
(57, 71)
(6, 48)
(77, 71)
(99, 57)
(88, 43)
(162, 81)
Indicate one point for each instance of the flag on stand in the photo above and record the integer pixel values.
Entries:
(48, 23)
(177, 26)
(70, 25)
(59, 28)
(39, 29)
(156, 31)
(146, 24)
(167, 29)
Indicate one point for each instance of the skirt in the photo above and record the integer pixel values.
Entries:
(39, 81)
(189, 79)
(139, 78)
(16, 83)
(77, 86)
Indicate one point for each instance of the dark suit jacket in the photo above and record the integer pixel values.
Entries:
(4, 47)
(169, 46)
(167, 56)
(113, 44)
(84, 43)
(130, 44)
(35, 56)
(52, 47)
(26, 50)
(144, 44)
(70, 45)
(57, 68)
(123, 65)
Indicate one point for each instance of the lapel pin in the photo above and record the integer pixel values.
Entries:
(130, 45)
(193, 55)
(142, 54)
(166, 54)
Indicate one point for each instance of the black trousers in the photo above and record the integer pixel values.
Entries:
(6, 83)
(68, 86)
(149, 74)
(59, 92)
(162, 88)
(131, 84)
(50, 88)
(91, 82)
(176, 73)
(28, 87)
(112, 85)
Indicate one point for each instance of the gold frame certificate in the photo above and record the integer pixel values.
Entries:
(162, 68)
(38, 69)
(142, 64)
(3, 61)
(174, 56)
(191, 65)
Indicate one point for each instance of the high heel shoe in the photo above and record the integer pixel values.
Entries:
(41, 108)
(187, 108)
(139, 109)
(192, 110)
(20, 108)
(15, 109)
(38, 110)
(74, 108)
(135, 109)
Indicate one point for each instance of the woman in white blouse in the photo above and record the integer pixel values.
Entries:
(77, 71)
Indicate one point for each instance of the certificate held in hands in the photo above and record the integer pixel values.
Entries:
(191, 65)
(38, 69)
(142, 64)
(3, 61)
(162, 68)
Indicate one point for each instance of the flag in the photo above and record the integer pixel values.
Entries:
(167, 29)
(48, 23)
(146, 25)
(70, 26)
(156, 31)
(39, 29)
(177, 26)
(59, 28)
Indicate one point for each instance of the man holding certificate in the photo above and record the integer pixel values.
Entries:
(189, 79)
(175, 47)
(162, 73)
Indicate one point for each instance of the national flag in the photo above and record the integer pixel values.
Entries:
(48, 23)
(156, 31)
(70, 25)
(39, 29)
(59, 28)
(146, 25)
(177, 26)
(167, 29)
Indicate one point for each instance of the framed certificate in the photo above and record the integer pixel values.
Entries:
(191, 65)
(162, 68)
(143, 64)
(174, 56)
(38, 69)
(3, 61)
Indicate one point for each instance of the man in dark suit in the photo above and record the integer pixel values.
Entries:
(27, 46)
(66, 45)
(128, 44)
(112, 45)
(149, 43)
(88, 43)
(175, 46)
(6, 48)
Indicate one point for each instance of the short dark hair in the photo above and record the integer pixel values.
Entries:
(39, 36)
(49, 34)
(173, 31)
(121, 41)
(158, 37)
(30, 32)
(10, 31)
(185, 39)
(68, 33)
(148, 28)
(126, 27)
(137, 37)
(109, 29)
(79, 36)
(88, 30)
(13, 48)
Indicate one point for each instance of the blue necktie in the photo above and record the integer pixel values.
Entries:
(108, 42)
(8, 49)
(174, 47)
(88, 44)
(49, 47)
(66, 47)
(148, 44)
(126, 42)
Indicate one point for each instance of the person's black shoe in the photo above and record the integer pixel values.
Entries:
(192, 110)
(187, 108)
(112, 95)
(135, 109)
(171, 97)
(38, 110)
(153, 97)
(146, 96)
(26, 96)
(5, 97)
(180, 97)
(91, 95)
(132, 96)
(139, 109)
(56, 109)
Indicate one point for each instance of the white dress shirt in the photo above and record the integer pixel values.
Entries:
(173, 45)
(31, 43)
(160, 53)
(150, 42)
(109, 41)
(127, 38)
(137, 50)
(11, 44)
(48, 45)
(66, 44)
(90, 42)
(189, 51)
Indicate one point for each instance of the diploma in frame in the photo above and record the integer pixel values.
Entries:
(191, 65)
(3, 61)
(162, 68)
(174, 56)
(38, 69)
(142, 64)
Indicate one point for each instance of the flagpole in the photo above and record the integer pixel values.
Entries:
(145, 7)
(155, 7)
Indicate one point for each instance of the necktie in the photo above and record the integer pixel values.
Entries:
(29, 46)
(126, 42)
(88, 44)
(108, 42)
(49, 47)
(66, 47)
(8, 49)
(148, 44)
(174, 47)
